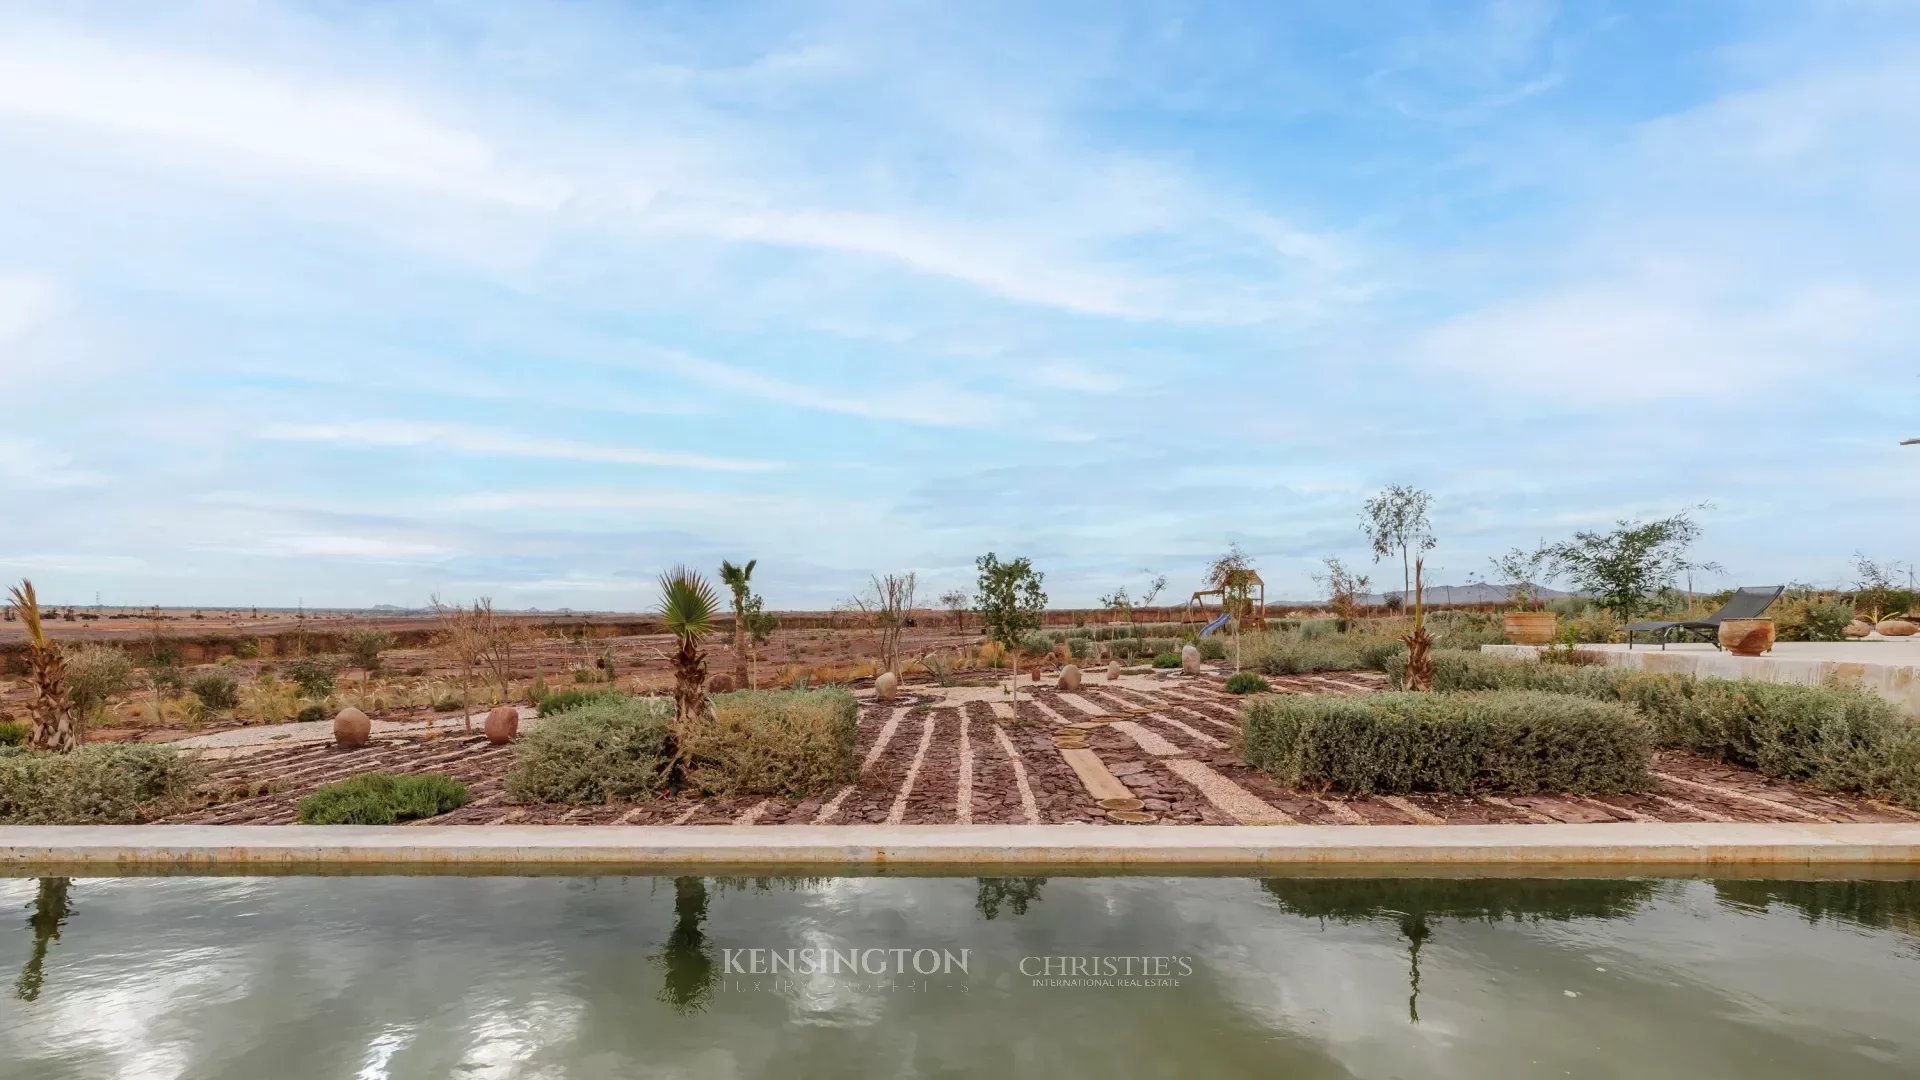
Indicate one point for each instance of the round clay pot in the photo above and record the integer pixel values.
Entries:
(1113, 671)
(1529, 627)
(503, 723)
(886, 686)
(1857, 629)
(1746, 637)
(351, 727)
(1896, 628)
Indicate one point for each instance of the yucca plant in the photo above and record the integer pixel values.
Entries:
(738, 579)
(687, 604)
(53, 727)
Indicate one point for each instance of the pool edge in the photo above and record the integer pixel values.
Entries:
(292, 846)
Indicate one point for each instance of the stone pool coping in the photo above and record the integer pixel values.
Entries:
(880, 846)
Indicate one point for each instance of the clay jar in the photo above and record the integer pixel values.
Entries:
(503, 723)
(1746, 637)
(351, 728)
(1528, 627)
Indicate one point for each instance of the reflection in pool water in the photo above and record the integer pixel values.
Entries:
(621, 976)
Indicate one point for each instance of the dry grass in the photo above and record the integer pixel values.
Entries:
(766, 742)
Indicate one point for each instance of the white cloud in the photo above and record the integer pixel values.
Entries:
(465, 439)
(1638, 341)
(1077, 377)
(191, 106)
(30, 465)
(933, 403)
(27, 302)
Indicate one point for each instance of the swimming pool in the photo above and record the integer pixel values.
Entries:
(621, 976)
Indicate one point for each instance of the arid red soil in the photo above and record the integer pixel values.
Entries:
(1168, 740)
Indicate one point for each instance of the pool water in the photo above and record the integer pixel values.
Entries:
(576, 976)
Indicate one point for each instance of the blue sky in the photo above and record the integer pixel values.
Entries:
(359, 303)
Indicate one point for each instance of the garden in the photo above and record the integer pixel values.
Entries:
(1363, 709)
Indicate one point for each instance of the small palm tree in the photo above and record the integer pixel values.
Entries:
(53, 726)
(738, 579)
(687, 604)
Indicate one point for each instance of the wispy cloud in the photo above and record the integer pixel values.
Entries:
(462, 439)
(30, 465)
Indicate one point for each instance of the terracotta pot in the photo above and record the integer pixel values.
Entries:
(886, 686)
(1896, 628)
(1746, 637)
(1529, 627)
(503, 723)
(351, 727)
(1857, 629)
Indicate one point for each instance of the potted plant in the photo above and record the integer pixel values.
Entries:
(1528, 623)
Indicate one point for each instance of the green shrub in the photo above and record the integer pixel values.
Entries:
(1811, 619)
(1834, 737)
(1303, 653)
(215, 689)
(566, 700)
(774, 742)
(246, 648)
(13, 734)
(381, 799)
(102, 784)
(1166, 660)
(314, 675)
(365, 645)
(600, 752)
(1518, 742)
(1246, 682)
(94, 674)
(1211, 648)
(1079, 647)
(1837, 738)
(310, 714)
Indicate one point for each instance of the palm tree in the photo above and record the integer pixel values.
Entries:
(687, 603)
(737, 579)
(53, 727)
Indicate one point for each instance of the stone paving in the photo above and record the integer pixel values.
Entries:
(1146, 749)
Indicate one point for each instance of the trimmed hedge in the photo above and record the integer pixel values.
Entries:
(1839, 738)
(600, 752)
(381, 799)
(103, 784)
(1246, 682)
(561, 701)
(774, 742)
(1167, 660)
(1516, 741)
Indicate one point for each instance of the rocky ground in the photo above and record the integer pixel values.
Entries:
(1144, 749)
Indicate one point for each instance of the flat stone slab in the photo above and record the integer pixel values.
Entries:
(106, 848)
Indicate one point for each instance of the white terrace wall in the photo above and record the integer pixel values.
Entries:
(1897, 682)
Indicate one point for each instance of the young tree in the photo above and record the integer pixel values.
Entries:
(1232, 574)
(687, 604)
(1622, 568)
(465, 636)
(1877, 587)
(1011, 603)
(53, 727)
(1152, 592)
(1344, 588)
(957, 601)
(738, 580)
(888, 602)
(760, 627)
(1521, 573)
(1396, 521)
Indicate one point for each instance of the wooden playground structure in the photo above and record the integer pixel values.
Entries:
(1256, 615)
